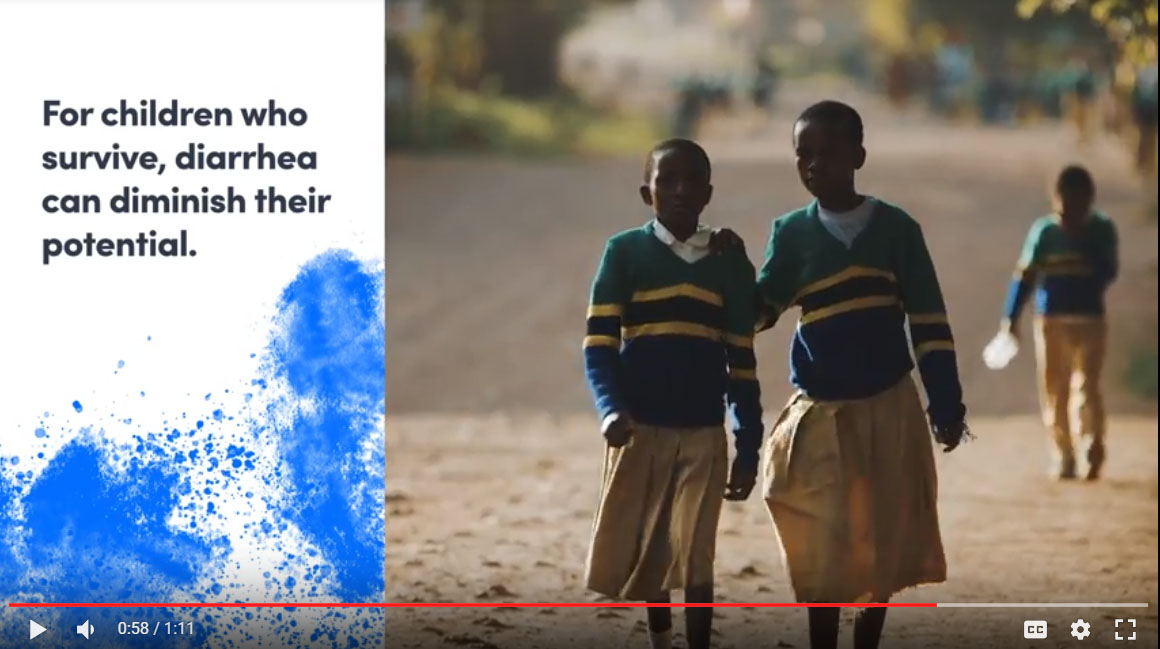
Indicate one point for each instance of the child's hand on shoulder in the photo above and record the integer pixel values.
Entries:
(742, 478)
(723, 239)
(951, 435)
(617, 429)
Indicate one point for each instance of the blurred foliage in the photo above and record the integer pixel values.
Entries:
(888, 24)
(513, 44)
(1140, 375)
(1032, 30)
(484, 75)
(469, 120)
(908, 25)
(1131, 24)
(995, 22)
(440, 51)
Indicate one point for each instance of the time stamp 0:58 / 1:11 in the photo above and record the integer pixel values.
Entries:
(155, 628)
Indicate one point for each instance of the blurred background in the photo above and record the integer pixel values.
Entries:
(518, 90)
(613, 75)
(516, 132)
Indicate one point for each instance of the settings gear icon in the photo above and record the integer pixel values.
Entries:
(1080, 629)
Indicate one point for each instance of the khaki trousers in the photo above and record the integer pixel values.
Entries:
(1070, 353)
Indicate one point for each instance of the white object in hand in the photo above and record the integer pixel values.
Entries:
(999, 352)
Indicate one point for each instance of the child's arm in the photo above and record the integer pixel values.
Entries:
(743, 393)
(1104, 252)
(1023, 281)
(930, 331)
(602, 342)
(774, 287)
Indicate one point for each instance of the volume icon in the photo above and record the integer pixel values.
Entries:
(85, 629)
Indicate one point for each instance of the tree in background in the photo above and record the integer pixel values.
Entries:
(1131, 24)
(484, 74)
(511, 45)
(957, 51)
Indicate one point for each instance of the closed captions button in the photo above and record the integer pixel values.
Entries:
(1035, 629)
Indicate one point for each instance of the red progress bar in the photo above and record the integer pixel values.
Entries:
(461, 605)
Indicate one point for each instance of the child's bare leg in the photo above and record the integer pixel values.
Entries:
(868, 627)
(824, 627)
(660, 623)
(698, 619)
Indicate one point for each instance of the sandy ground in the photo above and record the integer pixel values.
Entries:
(493, 456)
(498, 508)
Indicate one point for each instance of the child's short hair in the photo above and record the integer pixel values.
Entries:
(677, 145)
(1075, 178)
(835, 113)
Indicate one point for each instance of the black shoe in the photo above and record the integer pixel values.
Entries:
(1095, 463)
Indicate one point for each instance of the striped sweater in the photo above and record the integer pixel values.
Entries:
(1068, 274)
(670, 343)
(857, 304)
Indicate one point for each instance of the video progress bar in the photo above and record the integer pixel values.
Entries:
(1042, 605)
(576, 605)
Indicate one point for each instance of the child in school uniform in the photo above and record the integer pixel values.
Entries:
(850, 479)
(669, 344)
(1068, 260)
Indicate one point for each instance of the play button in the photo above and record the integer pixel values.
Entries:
(34, 629)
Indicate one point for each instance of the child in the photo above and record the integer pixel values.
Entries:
(1069, 258)
(1144, 113)
(669, 342)
(850, 478)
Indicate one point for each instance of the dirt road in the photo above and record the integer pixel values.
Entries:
(496, 508)
(492, 453)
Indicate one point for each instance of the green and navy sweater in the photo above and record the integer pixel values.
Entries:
(856, 303)
(670, 343)
(1067, 273)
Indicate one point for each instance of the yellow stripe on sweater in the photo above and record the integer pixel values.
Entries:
(1063, 258)
(604, 310)
(745, 342)
(927, 318)
(856, 304)
(680, 290)
(601, 341)
(672, 329)
(1067, 269)
(923, 349)
(853, 272)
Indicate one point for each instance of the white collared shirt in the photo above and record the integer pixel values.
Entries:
(846, 226)
(693, 249)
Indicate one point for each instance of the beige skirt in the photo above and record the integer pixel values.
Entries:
(660, 501)
(852, 490)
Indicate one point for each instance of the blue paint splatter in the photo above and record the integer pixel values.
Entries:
(78, 512)
(89, 532)
(99, 520)
(331, 352)
(9, 570)
(120, 364)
